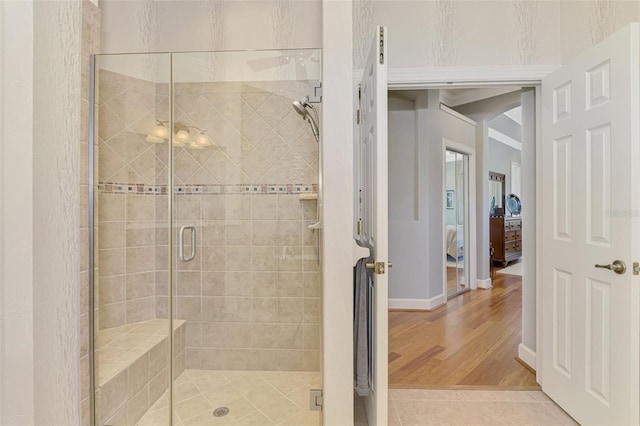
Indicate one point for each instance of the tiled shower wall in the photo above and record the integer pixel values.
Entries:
(90, 44)
(126, 220)
(251, 297)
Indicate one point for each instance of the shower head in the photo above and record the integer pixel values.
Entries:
(301, 108)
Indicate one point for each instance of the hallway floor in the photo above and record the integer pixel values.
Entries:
(257, 398)
(470, 342)
(409, 407)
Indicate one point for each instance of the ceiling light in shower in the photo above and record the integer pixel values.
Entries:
(203, 140)
(181, 137)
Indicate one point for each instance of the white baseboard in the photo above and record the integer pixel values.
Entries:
(486, 283)
(527, 356)
(418, 304)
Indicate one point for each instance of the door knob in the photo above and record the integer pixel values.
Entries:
(617, 266)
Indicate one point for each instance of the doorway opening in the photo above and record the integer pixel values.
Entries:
(456, 213)
(444, 146)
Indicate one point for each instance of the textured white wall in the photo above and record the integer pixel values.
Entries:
(435, 33)
(56, 287)
(16, 237)
(205, 25)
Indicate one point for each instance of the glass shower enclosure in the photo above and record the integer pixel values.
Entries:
(206, 291)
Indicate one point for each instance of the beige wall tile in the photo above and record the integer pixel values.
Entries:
(140, 285)
(238, 207)
(239, 359)
(140, 207)
(238, 309)
(264, 284)
(290, 310)
(311, 310)
(311, 361)
(213, 334)
(188, 283)
(290, 284)
(311, 336)
(264, 232)
(138, 405)
(214, 258)
(238, 335)
(112, 235)
(141, 259)
(141, 233)
(290, 360)
(193, 334)
(140, 309)
(189, 308)
(312, 285)
(264, 207)
(112, 315)
(265, 258)
(214, 207)
(214, 233)
(113, 395)
(158, 358)
(239, 258)
(214, 283)
(290, 259)
(158, 384)
(265, 309)
(289, 207)
(238, 232)
(112, 289)
(192, 358)
(213, 309)
(212, 359)
(188, 207)
(239, 283)
(138, 374)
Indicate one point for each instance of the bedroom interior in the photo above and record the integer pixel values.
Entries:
(488, 121)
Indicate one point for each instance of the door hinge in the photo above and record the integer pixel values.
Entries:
(315, 91)
(359, 227)
(636, 268)
(381, 45)
(315, 400)
(378, 267)
(358, 117)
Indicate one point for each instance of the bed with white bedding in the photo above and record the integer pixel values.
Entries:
(455, 241)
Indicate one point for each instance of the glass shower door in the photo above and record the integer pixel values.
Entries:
(246, 294)
(129, 287)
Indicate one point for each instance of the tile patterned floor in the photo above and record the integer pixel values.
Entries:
(257, 398)
(470, 407)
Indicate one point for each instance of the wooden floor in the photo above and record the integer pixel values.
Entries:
(470, 342)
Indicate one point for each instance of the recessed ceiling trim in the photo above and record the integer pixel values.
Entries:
(502, 138)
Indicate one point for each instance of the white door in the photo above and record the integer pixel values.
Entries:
(591, 196)
(373, 230)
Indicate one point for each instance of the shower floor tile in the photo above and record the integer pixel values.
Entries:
(253, 398)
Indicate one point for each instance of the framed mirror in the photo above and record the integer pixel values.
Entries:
(496, 193)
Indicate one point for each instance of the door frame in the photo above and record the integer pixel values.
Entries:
(470, 226)
(461, 77)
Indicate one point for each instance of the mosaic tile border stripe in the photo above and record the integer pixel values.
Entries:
(249, 189)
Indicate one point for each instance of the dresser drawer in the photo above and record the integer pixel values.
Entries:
(515, 225)
(510, 247)
(511, 236)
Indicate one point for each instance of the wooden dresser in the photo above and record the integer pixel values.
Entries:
(505, 234)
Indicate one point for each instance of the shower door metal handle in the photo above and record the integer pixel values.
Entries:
(181, 243)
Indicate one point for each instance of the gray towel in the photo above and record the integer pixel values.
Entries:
(360, 341)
